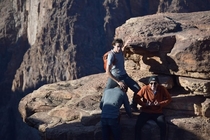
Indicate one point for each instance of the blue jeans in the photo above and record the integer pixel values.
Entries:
(144, 117)
(133, 85)
(110, 127)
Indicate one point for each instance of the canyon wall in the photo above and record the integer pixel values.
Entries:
(49, 41)
(173, 46)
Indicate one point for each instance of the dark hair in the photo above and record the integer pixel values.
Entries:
(117, 40)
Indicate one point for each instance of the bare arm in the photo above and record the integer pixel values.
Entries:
(120, 83)
(125, 45)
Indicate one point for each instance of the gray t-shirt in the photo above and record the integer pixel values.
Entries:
(111, 102)
(118, 67)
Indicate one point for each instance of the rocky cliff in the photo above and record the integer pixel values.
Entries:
(70, 111)
(56, 40)
(49, 41)
(174, 46)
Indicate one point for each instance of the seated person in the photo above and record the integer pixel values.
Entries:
(152, 98)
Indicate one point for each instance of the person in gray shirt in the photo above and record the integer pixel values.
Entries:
(110, 104)
(116, 72)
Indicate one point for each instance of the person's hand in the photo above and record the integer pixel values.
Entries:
(156, 102)
(127, 42)
(121, 84)
(152, 103)
(148, 103)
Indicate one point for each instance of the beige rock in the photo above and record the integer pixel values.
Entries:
(169, 43)
(195, 86)
(44, 42)
(77, 116)
(206, 108)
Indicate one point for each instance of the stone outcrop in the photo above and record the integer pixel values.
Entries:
(70, 111)
(56, 39)
(170, 43)
(43, 42)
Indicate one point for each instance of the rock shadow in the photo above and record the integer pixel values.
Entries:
(12, 52)
(167, 65)
(90, 129)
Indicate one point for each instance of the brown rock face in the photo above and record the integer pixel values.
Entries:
(58, 40)
(70, 110)
(170, 43)
(206, 108)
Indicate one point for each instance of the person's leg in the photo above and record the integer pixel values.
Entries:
(115, 128)
(141, 121)
(160, 120)
(133, 85)
(105, 129)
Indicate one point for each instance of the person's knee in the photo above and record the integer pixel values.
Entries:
(161, 118)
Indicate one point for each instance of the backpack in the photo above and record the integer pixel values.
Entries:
(105, 56)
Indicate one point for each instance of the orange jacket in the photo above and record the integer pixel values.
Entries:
(162, 96)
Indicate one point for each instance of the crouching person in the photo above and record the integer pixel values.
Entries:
(110, 104)
(152, 98)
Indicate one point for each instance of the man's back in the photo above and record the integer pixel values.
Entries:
(111, 102)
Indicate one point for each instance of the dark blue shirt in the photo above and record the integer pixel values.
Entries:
(111, 102)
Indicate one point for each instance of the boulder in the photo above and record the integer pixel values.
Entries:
(174, 44)
(70, 111)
